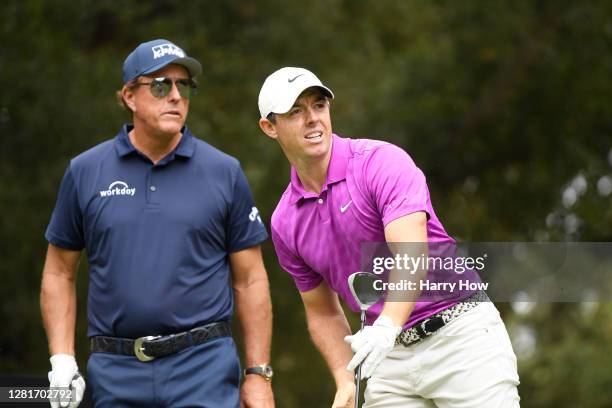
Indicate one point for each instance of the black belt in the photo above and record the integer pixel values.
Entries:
(151, 347)
(429, 326)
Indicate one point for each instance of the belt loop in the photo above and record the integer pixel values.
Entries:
(190, 337)
(173, 344)
(119, 346)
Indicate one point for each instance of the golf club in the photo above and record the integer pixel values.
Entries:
(364, 293)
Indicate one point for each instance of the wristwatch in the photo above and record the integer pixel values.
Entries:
(264, 370)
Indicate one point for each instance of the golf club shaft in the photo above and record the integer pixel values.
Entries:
(357, 384)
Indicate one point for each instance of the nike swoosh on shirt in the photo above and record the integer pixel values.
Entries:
(346, 206)
(294, 78)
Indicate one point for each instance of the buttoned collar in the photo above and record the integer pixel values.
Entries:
(336, 171)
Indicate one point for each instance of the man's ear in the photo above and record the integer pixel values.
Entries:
(268, 128)
(128, 97)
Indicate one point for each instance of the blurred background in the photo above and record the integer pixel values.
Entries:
(505, 105)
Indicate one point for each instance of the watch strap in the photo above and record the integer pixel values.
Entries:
(263, 370)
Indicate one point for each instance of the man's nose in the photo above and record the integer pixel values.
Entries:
(174, 92)
(311, 115)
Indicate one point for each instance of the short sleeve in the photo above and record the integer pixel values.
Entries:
(304, 277)
(65, 229)
(397, 186)
(245, 227)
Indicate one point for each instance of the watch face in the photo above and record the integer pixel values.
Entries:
(268, 372)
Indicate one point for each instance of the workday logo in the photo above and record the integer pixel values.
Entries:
(118, 188)
(167, 49)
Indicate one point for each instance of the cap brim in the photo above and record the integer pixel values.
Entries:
(284, 107)
(191, 65)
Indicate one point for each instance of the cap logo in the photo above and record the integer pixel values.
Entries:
(167, 49)
(294, 78)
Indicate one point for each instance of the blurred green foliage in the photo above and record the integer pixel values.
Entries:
(503, 104)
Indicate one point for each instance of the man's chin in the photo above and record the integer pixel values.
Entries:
(171, 127)
(317, 152)
(320, 148)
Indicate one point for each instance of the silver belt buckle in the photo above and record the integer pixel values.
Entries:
(139, 349)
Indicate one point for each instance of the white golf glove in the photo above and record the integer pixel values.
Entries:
(372, 344)
(65, 373)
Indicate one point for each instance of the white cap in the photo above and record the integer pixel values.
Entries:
(280, 90)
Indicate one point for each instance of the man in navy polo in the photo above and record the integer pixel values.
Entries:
(164, 218)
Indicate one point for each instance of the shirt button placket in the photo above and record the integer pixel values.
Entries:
(152, 188)
(323, 210)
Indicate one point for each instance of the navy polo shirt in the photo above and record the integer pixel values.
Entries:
(157, 236)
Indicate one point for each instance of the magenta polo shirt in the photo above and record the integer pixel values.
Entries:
(369, 184)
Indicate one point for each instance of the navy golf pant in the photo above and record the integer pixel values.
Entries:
(207, 375)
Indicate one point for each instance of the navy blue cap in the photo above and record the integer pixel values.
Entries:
(153, 55)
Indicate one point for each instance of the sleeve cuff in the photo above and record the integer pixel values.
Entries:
(251, 242)
(401, 212)
(309, 285)
(62, 243)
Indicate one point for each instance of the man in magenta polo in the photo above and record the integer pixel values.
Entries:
(343, 193)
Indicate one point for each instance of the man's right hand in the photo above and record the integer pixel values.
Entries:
(65, 373)
(345, 396)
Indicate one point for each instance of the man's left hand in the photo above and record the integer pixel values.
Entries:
(256, 392)
(65, 373)
(372, 344)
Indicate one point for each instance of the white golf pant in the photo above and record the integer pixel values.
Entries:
(469, 363)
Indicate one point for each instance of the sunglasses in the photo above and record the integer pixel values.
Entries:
(161, 87)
